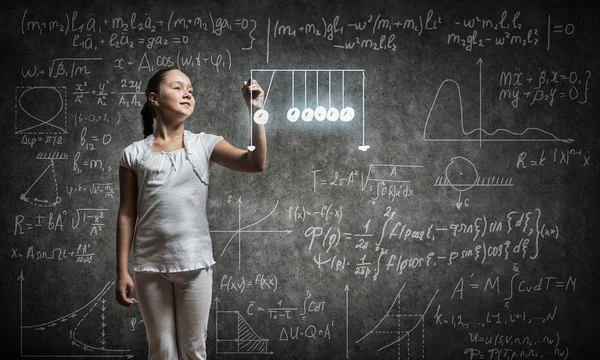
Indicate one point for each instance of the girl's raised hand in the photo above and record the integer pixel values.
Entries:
(253, 94)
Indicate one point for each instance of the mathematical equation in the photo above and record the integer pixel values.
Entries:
(327, 243)
(92, 218)
(81, 254)
(546, 87)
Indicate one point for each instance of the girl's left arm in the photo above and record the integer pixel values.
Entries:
(235, 158)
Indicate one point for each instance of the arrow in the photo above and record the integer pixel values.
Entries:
(479, 62)
(459, 204)
(346, 289)
(252, 231)
(21, 278)
(240, 234)
(217, 324)
(79, 356)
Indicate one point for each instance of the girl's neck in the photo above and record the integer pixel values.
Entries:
(168, 133)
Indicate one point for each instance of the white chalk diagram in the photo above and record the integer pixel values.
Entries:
(405, 332)
(388, 173)
(462, 175)
(333, 112)
(40, 110)
(453, 129)
(66, 329)
(239, 339)
(247, 229)
(43, 192)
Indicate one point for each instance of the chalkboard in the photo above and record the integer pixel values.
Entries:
(431, 190)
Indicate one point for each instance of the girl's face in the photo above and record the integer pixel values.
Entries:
(175, 99)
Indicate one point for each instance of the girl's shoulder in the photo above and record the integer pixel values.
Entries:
(196, 136)
(135, 154)
(140, 143)
(201, 139)
(136, 147)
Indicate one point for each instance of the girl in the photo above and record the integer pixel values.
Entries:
(163, 185)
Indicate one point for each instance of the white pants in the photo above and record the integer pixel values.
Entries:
(175, 309)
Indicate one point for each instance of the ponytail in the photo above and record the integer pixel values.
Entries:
(147, 119)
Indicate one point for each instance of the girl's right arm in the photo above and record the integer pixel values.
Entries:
(126, 220)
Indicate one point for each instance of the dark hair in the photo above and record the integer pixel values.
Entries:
(147, 112)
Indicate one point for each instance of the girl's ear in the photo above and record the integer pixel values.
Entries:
(153, 98)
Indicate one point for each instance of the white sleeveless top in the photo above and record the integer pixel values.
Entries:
(171, 232)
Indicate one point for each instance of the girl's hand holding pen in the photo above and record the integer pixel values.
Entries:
(253, 94)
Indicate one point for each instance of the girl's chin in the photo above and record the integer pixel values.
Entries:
(184, 113)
